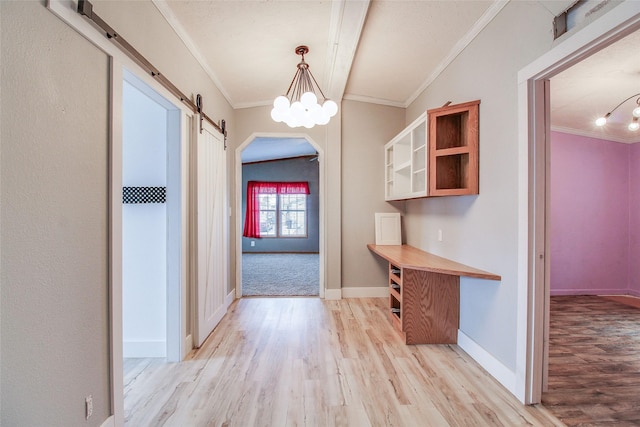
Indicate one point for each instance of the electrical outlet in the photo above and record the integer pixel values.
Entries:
(88, 404)
(253, 243)
(439, 235)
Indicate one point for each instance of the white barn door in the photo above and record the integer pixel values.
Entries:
(211, 230)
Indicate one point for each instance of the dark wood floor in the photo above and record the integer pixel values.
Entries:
(594, 362)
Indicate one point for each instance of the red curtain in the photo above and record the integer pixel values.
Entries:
(254, 189)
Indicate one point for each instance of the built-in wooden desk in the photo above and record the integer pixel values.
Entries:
(424, 293)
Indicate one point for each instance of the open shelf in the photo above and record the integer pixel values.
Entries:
(453, 149)
(395, 294)
(407, 154)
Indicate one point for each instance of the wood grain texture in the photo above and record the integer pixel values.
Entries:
(431, 307)
(594, 362)
(311, 362)
(406, 256)
(453, 149)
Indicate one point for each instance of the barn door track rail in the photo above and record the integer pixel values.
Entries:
(85, 8)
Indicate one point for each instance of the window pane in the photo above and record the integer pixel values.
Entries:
(293, 215)
(267, 223)
(267, 202)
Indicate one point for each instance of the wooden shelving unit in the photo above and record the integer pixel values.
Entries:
(424, 293)
(453, 149)
(395, 295)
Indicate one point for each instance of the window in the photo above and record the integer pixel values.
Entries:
(283, 215)
(268, 214)
(276, 209)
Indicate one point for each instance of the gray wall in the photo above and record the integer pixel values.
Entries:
(54, 130)
(53, 222)
(365, 129)
(299, 169)
(482, 230)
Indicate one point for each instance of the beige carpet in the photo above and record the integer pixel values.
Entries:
(280, 274)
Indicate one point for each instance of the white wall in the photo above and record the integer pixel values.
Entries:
(53, 221)
(144, 240)
(481, 231)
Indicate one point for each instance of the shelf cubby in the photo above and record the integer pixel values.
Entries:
(407, 155)
(453, 149)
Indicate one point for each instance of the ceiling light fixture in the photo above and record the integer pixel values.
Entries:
(299, 106)
(634, 125)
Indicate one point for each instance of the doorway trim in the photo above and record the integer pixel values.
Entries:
(174, 214)
(533, 142)
(239, 218)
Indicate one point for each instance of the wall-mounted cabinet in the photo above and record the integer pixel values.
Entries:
(453, 149)
(436, 155)
(406, 162)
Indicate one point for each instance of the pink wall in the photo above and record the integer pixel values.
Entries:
(590, 207)
(634, 221)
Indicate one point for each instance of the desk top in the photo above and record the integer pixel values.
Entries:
(406, 256)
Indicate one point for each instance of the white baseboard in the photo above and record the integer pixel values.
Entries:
(501, 373)
(369, 292)
(144, 348)
(109, 422)
(188, 345)
(231, 296)
(333, 294)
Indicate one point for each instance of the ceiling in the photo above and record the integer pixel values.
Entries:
(263, 149)
(593, 87)
(381, 51)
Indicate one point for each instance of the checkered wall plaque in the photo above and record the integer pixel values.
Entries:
(144, 195)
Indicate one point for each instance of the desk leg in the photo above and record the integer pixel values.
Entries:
(430, 307)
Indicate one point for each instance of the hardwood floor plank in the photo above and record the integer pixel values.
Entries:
(310, 362)
(594, 361)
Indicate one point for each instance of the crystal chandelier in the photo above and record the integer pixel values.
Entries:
(299, 106)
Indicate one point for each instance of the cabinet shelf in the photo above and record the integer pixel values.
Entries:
(395, 295)
(406, 166)
(407, 179)
(453, 149)
(436, 155)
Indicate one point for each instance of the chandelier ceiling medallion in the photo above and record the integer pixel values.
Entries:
(635, 114)
(299, 106)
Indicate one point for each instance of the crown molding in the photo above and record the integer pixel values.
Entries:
(371, 100)
(595, 135)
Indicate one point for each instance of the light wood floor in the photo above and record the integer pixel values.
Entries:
(312, 362)
(594, 361)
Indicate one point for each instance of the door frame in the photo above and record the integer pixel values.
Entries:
(533, 182)
(178, 342)
(174, 213)
(322, 203)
